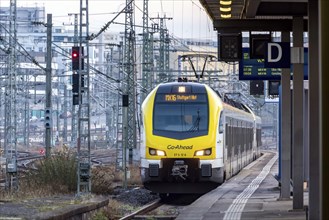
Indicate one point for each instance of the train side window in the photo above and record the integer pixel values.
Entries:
(227, 140)
(142, 119)
(221, 124)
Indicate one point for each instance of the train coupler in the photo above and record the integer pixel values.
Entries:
(179, 169)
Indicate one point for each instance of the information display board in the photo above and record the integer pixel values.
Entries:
(253, 69)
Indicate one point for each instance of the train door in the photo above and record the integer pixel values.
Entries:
(227, 155)
(142, 137)
(221, 154)
(243, 145)
(233, 149)
(230, 148)
(250, 141)
(240, 145)
(254, 145)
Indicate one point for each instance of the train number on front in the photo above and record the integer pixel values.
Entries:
(170, 98)
(179, 155)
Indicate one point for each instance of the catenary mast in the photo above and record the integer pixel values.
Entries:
(10, 145)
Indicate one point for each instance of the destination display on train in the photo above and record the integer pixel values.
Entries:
(181, 98)
(253, 69)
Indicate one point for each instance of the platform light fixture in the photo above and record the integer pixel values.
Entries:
(225, 8)
(225, 2)
(225, 16)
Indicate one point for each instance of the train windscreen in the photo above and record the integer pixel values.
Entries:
(184, 116)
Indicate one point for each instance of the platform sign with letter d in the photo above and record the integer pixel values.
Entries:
(277, 55)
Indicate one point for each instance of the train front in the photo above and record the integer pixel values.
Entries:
(178, 150)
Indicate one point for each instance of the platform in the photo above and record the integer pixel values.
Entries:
(252, 194)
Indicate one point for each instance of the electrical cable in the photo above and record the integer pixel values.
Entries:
(93, 36)
(27, 55)
(99, 72)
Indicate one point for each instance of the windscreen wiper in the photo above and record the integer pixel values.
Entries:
(196, 123)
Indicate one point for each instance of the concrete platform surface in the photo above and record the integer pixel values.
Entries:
(251, 194)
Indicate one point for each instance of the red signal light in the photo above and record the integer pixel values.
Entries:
(75, 54)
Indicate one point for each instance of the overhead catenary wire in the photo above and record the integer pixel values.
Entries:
(24, 52)
(66, 54)
(177, 39)
(172, 35)
(27, 55)
(93, 36)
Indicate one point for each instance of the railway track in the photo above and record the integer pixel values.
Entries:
(163, 210)
(142, 211)
(23, 164)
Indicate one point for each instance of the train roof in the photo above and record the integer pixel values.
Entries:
(199, 88)
(236, 104)
(172, 87)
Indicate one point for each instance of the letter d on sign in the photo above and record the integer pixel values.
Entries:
(269, 52)
(277, 55)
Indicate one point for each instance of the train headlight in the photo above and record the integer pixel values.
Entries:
(199, 153)
(181, 89)
(161, 153)
(205, 152)
(155, 152)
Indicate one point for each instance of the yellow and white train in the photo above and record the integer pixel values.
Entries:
(192, 141)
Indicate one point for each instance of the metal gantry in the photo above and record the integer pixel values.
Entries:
(48, 92)
(163, 58)
(130, 78)
(109, 98)
(112, 97)
(146, 62)
(74, 109)
(84, 160)
(26, 130)
(162, 74)
(167, 56)
(10, 145)
(119, 126)
(151, 78)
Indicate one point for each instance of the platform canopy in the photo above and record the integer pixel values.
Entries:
(255, 15)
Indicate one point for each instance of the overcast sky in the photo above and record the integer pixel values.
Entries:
(189, 19)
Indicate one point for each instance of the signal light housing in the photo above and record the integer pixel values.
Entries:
(48, 118)
(75, 82)
(273, 87)
(229, 47)
(77, 56)
(256, 87)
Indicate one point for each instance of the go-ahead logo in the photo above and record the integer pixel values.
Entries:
(179, 147)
